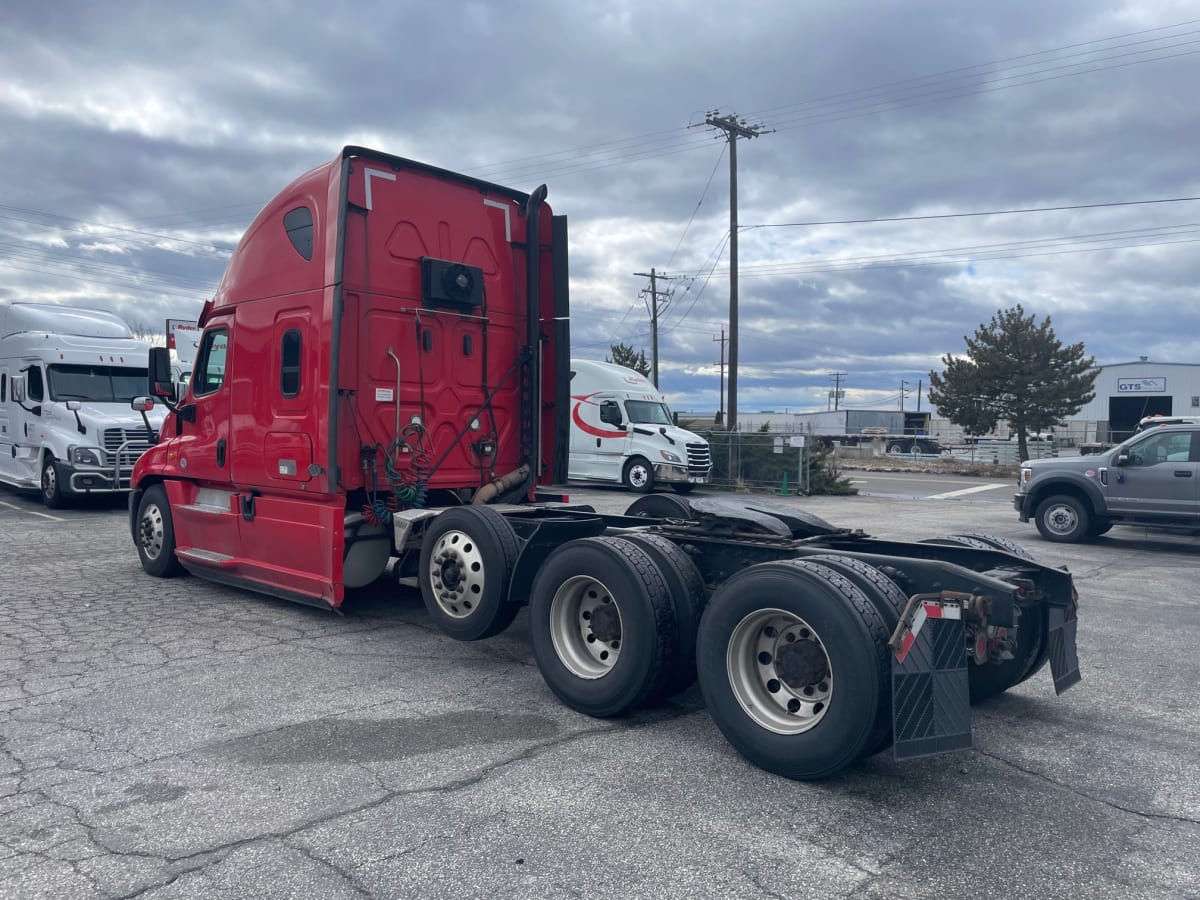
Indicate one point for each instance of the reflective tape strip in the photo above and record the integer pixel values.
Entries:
(928, 610)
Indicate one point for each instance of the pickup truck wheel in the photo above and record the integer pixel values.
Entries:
(660, 506)
(638, 476)
(793, 663)
(1062, 519)
(53, 494)
(688, 597)
(467, 558)
(602, 626)
(156, 534)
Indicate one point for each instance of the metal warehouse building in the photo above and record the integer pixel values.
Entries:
(1126, 392)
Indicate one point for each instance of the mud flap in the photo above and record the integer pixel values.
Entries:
(931, 706)
(1064, 660)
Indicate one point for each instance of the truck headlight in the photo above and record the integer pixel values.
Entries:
(1026, 474)
(86, 456)
(670, 457)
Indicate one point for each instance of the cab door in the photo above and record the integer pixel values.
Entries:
(202, 499)
(1160, 477)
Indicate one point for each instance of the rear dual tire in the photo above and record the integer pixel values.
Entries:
(794, 665)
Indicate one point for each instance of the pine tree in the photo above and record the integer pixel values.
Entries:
(1017, 370)
(624, 355)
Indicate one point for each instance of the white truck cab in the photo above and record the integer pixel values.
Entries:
(67, 378)
(622, 432)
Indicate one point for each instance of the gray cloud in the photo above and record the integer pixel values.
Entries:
(177, 124)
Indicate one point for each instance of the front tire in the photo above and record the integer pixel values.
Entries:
(793, 663)
(638, 475)
(156, 534)
(1063, 519)
(53, 494)
(467, 559)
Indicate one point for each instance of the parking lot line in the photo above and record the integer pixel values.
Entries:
(32, 512)
(971, 490)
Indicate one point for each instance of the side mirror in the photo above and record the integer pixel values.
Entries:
(1121, 460)
(75, 406)
(139, 404)
(16, 387)
(161, 383)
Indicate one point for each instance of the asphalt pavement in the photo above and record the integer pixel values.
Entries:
(178, 739)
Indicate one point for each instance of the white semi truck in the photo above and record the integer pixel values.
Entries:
(622, 432)
(67, 377)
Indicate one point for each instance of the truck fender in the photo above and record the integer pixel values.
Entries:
(1089, 487)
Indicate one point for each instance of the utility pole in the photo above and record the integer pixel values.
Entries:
(837, 388)
(721, 396)
(903, 393)
(920, 383)
(734, 128)
(654, 295)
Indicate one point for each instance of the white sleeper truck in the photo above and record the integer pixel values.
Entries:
(623, 432)
(67, 377)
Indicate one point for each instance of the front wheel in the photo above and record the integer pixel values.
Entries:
(1062, 519)
(467, 558)
(793, 663)
(53, 494)
(895, 449)
(156, 534)
(638, 475)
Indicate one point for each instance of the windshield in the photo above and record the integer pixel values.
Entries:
(646, 412)
(98, 383)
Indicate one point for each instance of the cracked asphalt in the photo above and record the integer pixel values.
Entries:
(177, 739)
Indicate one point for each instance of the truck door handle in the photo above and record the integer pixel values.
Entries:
(221, 452)
(1183, 473)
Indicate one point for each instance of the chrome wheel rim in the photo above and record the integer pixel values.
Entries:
(780, 671)
(639, 475)
(49, 480)
(152, 532)
(456, 573)
(585, 627)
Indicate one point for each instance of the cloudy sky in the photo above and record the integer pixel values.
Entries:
(137, 141)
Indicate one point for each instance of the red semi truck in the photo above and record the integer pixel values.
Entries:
(382, 385)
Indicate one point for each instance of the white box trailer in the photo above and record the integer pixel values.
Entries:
(622, 432)
(67, 378)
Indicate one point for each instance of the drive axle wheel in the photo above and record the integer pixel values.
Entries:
(793, 663)
(602, 626)
(467, 559)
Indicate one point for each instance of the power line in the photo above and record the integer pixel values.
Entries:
(965, 215)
